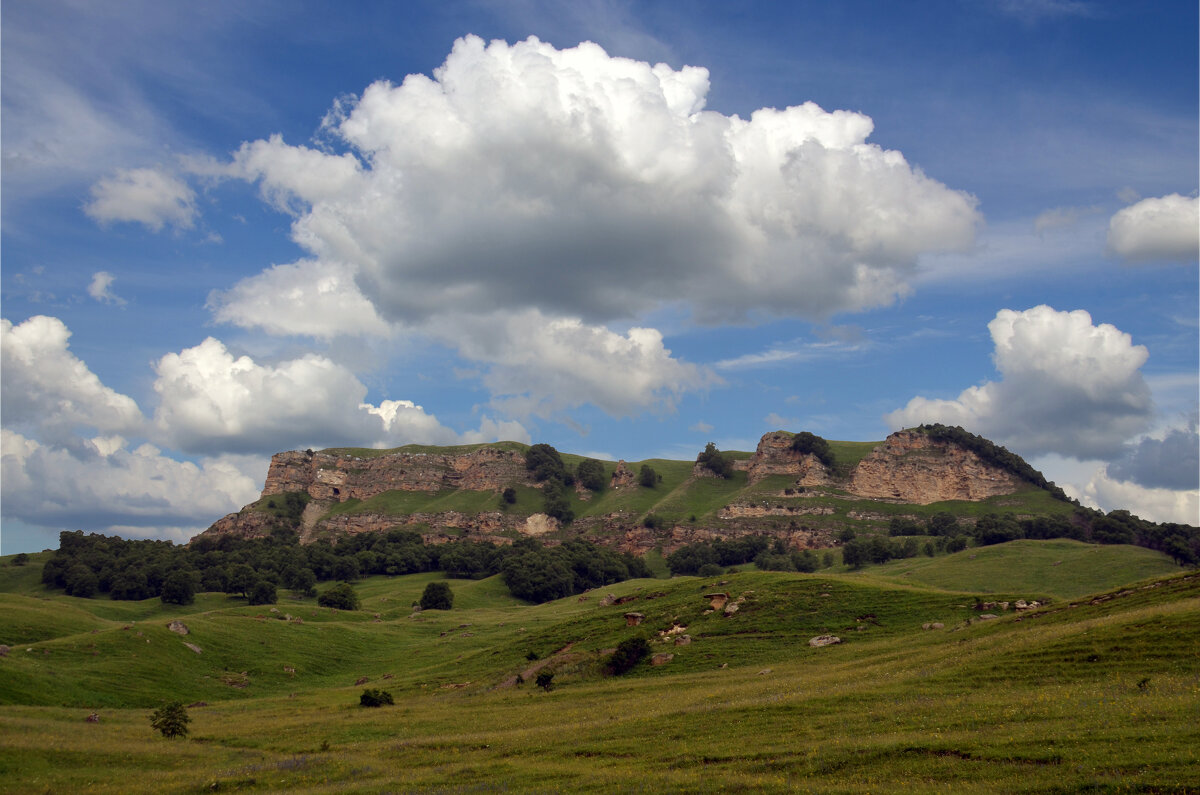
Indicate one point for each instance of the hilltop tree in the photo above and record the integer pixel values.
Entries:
(713, 460)
(807, 443)
(647, 477)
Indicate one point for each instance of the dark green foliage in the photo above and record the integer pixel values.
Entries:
(860, 551)
(546, 464)
(171, 720)
(590, 473)
(690, 558)
(20, 559)
(956, 544)
(341, 596)
(179, 588)
(806, 443)
(902, 526)
(715, 462)
(541, 574)
(437, 596)
(647, 477)
(545, 680)
(710, 570)
(942, 524)
(628, 653)
(992, 529)
(81, 581)
(469, 560)
(652, 521)
(993, 454)
(557, 501)
(262, 593)
(373, 697)
(509, 495)
(804, 560)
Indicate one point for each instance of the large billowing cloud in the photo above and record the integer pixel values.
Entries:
(1166, 228)
(212, 401)
(1108, 492)
(1067, 387)
(101, 482)
(584, 189)
(147, 196)
(48, 390)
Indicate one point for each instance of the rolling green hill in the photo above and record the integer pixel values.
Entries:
(1094, 692)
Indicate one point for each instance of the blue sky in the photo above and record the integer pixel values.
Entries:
(625, 229)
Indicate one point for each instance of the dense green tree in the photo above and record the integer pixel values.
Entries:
(179, 588)
(714, 461)
(341, 596)
(262, 593)
(590, 473)
(437, 596)
(647, 477)
(807, 443)
(81, 581)
(628, 653)
(171, 720)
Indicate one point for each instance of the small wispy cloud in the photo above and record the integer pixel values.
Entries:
(101, 289)
(793, 353)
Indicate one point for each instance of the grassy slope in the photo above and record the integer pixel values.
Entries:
(1088, 696)
(1057, 567)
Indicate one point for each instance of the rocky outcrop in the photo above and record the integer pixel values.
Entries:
(623, 477)
(336, 478)
(775, 456)
(912, 467)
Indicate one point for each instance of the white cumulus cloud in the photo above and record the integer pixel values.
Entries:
(147, 196)
(212, 401)
(542, 365)
(1067, 387)
(1108, 493)
(102, 483)
(525, 180)
(1165, 228)
(48, 390)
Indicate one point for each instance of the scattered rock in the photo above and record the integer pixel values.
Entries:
(198, 704)
(607, 599)
(683, 640)
(4, 650)
(274, 609)
(290, 670)
(718, 599)
(93, 718)
(193, 647)
(362, 680)
(824, 640)
(988, 616)
(388, 676)
(823, 594)
(662, 658)
(633, 619)
(178, 627)
(933, 625)
(730, 609)
(764, 672)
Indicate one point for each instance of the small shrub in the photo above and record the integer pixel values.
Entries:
(544, 680)
(437, 596)
(373, 697)
(171, 720)
(20, 559)
(509, 495)
(629, 653)
(647, 477)
(710, 570)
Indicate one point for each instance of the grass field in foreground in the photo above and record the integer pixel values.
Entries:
(1097, 694)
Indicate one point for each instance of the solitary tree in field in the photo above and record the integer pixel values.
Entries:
(171, 720)
(437, 596)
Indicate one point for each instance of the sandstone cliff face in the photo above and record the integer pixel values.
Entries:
(775, 456)
(912, 467)
(333, 478)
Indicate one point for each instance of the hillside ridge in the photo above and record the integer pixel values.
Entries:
(780, 489)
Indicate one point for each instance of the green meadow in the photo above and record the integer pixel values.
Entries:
(1096, 691)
